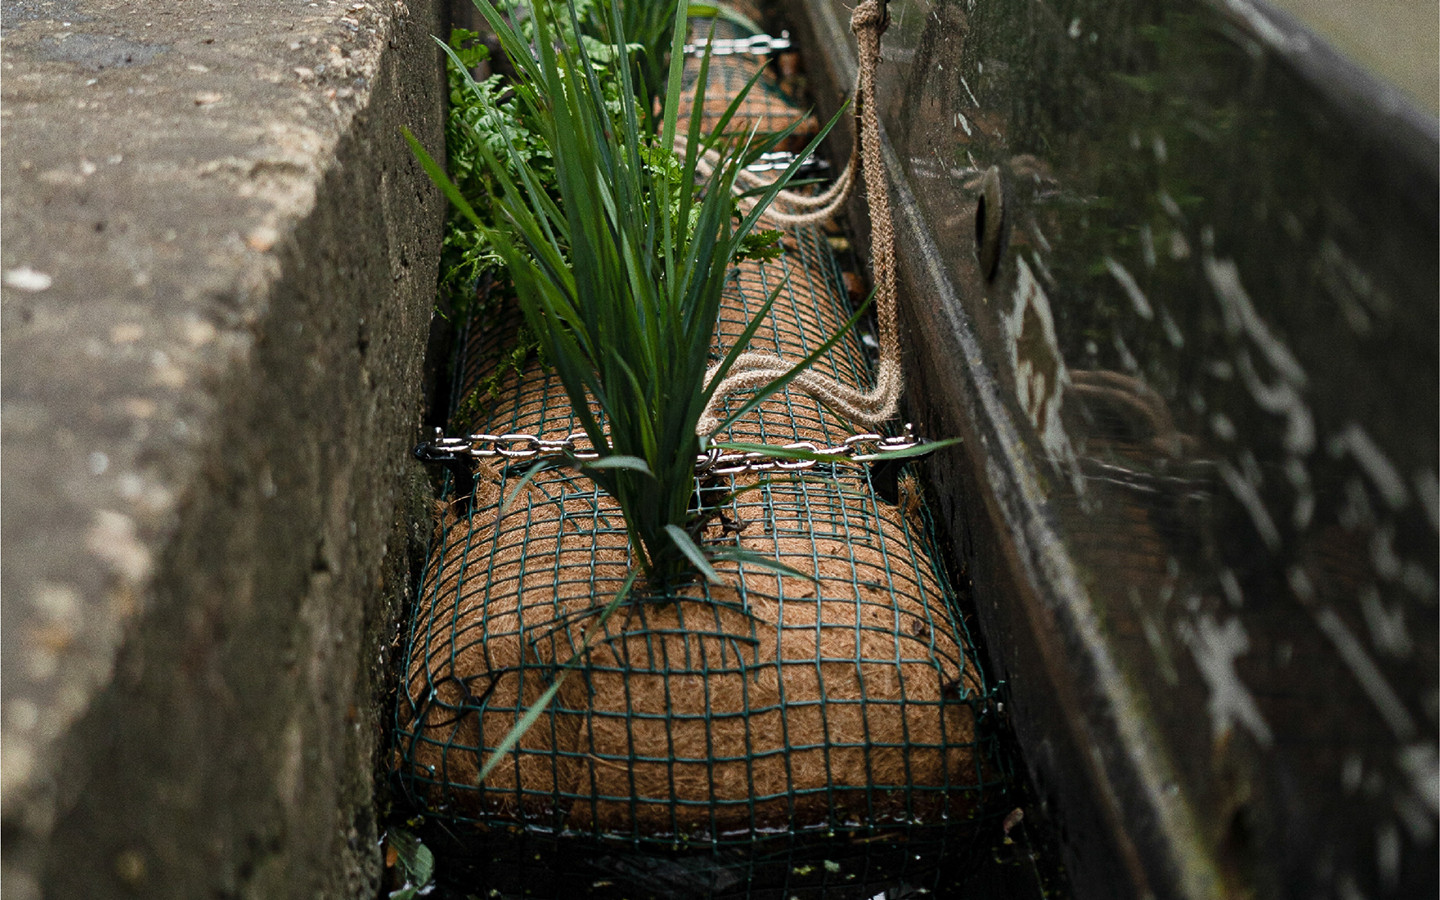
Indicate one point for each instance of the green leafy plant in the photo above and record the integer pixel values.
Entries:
(479, 400)
(619, 257)
(416, 863)
(646, 30)
(483, 116)
(643, 29)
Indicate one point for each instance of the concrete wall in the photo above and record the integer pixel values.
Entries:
(219, 264)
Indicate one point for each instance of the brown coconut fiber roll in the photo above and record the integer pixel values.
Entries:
(767, 109)
(772, 702)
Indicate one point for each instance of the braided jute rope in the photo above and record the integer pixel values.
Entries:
(817, 208)
(755, 370)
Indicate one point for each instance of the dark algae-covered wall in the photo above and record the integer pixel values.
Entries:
(1171, 271)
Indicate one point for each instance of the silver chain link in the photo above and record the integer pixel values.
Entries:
(857, 449)
(755, 45)
(780, 160)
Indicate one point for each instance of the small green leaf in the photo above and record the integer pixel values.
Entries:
(423, 867)
(626, 463)
(922, 449)
(416, 861)
(693, 553)
(760, 245)
(753, 558)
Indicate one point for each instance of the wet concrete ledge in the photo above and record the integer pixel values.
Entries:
(219, 263)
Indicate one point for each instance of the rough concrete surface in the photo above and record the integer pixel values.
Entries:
(218, 271)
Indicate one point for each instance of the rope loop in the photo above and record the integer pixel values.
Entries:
(870, 14)
(750, 370)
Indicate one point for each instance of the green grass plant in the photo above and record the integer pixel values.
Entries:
(618, 256)
(484, 113)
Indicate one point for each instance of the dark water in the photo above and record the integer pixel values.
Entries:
(1209, 311)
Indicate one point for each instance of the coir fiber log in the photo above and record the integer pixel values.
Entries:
(846, 698)
(774, 702)
(767, 109)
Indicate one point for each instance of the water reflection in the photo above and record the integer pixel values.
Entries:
(1214, 316)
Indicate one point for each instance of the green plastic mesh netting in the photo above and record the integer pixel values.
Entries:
(768, 108)
(827, 730)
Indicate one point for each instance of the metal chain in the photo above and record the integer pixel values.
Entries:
(780, 160)
(756, 45)
(857, 449)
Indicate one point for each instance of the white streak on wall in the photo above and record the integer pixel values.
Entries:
(1304, 509)
(1172, 330)
(1387, 626)
(1222, 426)
(966, 85)
(1131, 289)
(1231, 586)
(1281, 399)
(1241, 317)
(1413, 815)
(1422, 763)
(1249, 498)
(1356, 511)
(1300, 584)
(1147, 246)
(1041, 376)
(1352, 773)
(1392, 710)
(1266, 30)
(1215, 649)
(1127, 359)
(1373, 461)
(1388, 564)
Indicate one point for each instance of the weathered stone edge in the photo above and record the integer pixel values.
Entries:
(233, 635)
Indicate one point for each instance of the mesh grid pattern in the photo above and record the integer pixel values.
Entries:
(825, 728)
(715, 714)
(720, 716)
(766, 110)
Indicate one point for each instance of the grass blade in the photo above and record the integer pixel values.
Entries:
(921, 449)
(537, 709)
(524, 482)
(626, 463)
(752, 558)
(693, 553)
(442, 181)
(779, 383)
